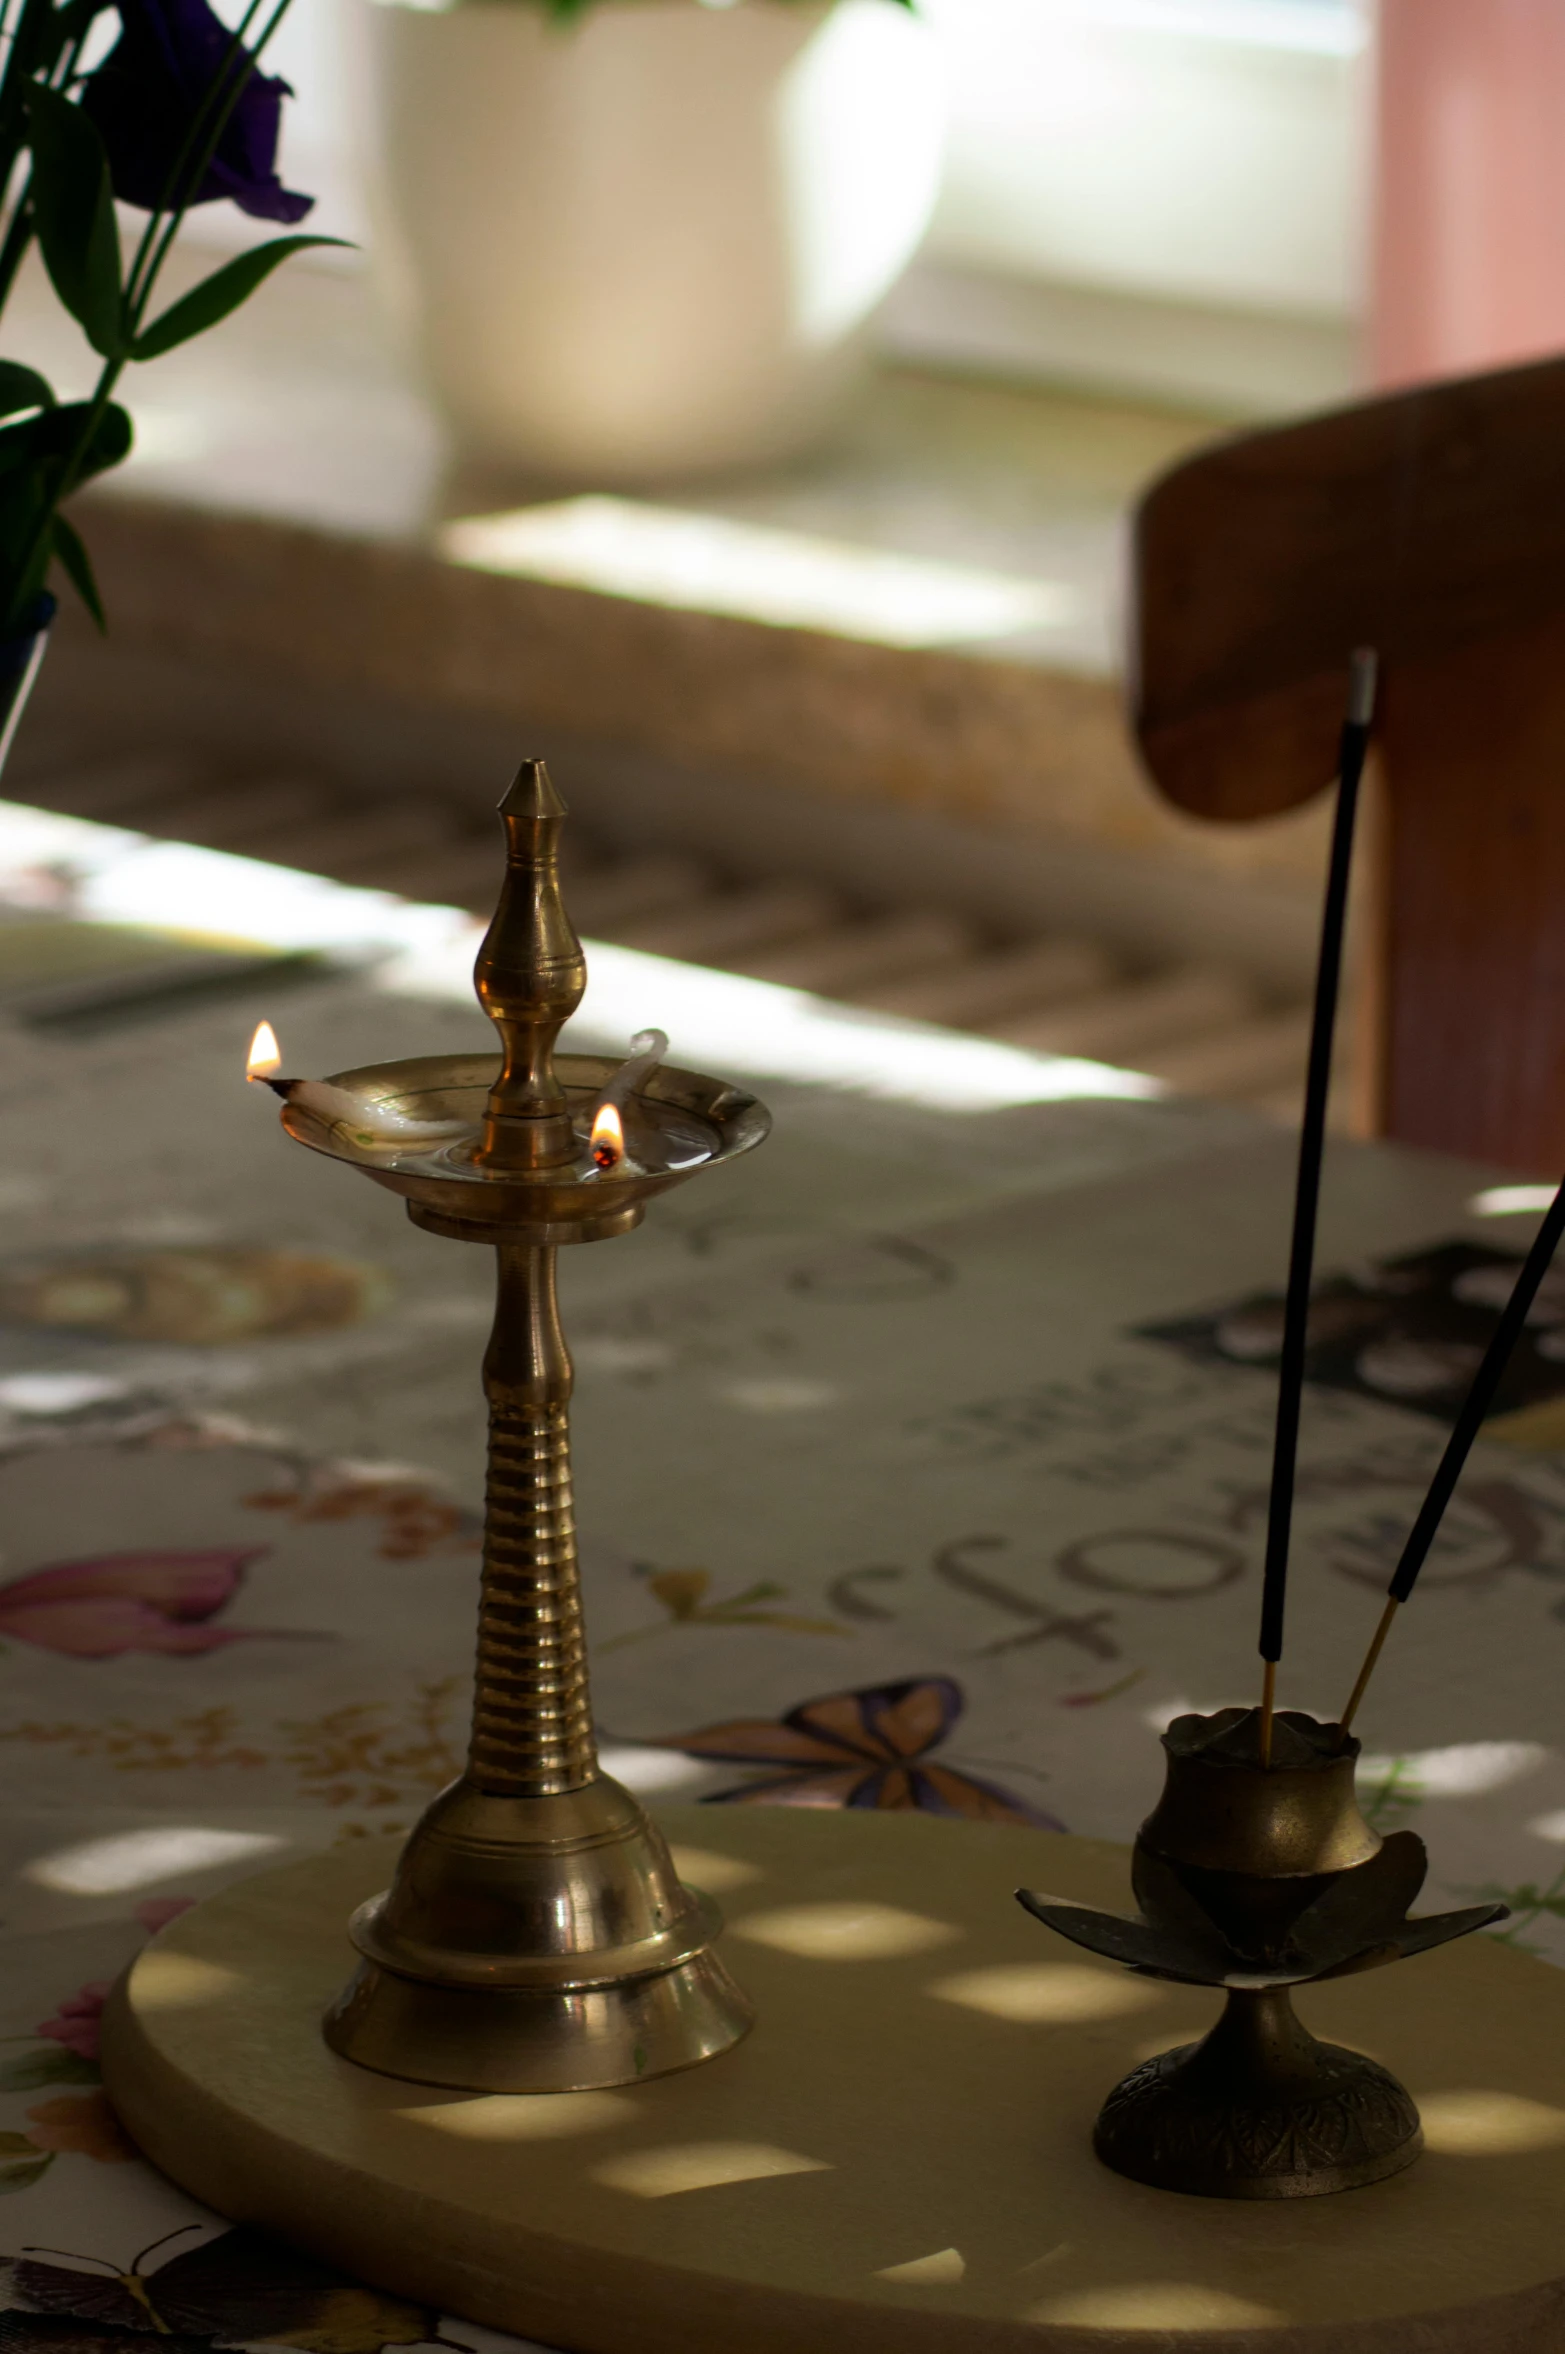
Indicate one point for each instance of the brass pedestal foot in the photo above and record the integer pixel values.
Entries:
(1258, 2110)
(536, 1945)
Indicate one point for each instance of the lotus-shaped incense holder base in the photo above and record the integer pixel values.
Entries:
(1259, 1878)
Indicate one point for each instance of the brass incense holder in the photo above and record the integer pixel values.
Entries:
(536, 1937)
(1258, 1878)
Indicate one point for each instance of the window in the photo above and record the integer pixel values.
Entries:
(1164, 192)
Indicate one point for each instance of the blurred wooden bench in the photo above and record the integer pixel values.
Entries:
(1430, 524)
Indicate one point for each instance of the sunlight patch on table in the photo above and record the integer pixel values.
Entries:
(845, 1932)
(1046, 1994)
(1474, 2124)
(718, 1021)
(703, 1867)
(641, 1767)
(779, 1394)
(57, 1393)
(679, 2167)
(522, 2116)
(1510, 1201)
(125, 1860)
(727, 1021)
(1153, 2304)
(181, 1982)
(1467, 1769)
(943, 2270)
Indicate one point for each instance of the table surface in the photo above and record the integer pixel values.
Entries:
(895, 2160)
(879, 1408)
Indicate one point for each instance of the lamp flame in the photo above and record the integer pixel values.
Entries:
(608, 1137)
(266, 1056)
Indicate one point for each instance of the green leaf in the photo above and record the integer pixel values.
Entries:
(110, 444)
(77, 567)
(40, 36)
(75, 20)
(44, 444)
(22, 2177)
(19, 444)
(42, 459)
(46, 2063)
(73, 206)
(22, 388)
(10, 2143)
(216, 296)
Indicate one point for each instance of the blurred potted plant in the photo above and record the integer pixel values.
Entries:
(637, 238)
(175, 114)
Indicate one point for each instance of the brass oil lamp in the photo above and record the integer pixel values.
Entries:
(536, 1936)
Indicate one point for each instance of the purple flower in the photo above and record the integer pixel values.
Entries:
(144, 99)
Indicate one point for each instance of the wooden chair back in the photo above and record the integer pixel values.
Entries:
(1431, 525)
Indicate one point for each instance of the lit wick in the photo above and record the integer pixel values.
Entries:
(647, 1050)
(608, 1137)
(367, 1123)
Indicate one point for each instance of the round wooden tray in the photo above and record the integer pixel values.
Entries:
(896, 2161)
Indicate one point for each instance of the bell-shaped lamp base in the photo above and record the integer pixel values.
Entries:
(570, 2041)
(536, 1944)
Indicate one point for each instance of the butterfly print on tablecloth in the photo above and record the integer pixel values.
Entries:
(53, 2333)
(869, 1748)
(237, 2289)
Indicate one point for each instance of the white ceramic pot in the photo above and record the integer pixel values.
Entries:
(650, 242)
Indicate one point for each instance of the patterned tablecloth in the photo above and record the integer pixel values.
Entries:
(921, 1462)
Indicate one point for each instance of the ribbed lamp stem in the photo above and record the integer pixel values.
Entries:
(532, 1714)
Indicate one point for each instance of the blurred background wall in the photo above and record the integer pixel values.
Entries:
(1257, 204)
(1152, 196)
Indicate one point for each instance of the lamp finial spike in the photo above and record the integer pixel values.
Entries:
(532, 793)
(529, 976)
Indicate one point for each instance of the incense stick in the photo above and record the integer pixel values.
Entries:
(1312, 1137)
(1475, 1406)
